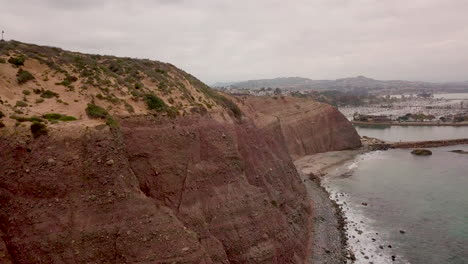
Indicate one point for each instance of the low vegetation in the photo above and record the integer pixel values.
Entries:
(160, 86)
(216, 96)
(67, 82)
(24, 76)
(58, 117)
(155, 103)
(94, 111)
(416, 117)
(27, 119)
(17, 61)
(21, 104)
(48, 94)
(38, 129)
(111, 122)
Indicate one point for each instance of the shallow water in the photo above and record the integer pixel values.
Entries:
(413, 133)
(425, 197)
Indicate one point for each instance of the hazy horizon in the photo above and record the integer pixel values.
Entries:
(227, 41)
(344, 77)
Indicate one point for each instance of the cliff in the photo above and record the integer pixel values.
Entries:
(308, 127)
(204, 179)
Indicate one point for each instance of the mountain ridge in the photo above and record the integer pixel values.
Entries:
(358, 82)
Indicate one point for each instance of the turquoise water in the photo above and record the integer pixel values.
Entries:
(425, 197)
(413, 133)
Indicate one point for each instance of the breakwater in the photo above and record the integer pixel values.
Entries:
(429, 144)
(361, 123)
(382, 145)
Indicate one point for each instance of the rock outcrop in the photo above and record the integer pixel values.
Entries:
(421, 152)
(459, 151)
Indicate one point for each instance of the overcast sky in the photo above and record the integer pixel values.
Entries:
(221, 40)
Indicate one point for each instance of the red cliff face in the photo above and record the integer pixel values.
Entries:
(190, 190)
(308, 127)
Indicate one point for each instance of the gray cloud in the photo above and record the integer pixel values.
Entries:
(220, 40)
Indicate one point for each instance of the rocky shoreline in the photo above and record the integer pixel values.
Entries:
(330, 243)
(330, 228)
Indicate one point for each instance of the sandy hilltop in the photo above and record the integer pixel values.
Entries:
(120, 160)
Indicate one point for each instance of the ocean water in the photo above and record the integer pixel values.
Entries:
(413, 133)
(414, 208)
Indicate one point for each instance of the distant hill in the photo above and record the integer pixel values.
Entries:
(353, 83)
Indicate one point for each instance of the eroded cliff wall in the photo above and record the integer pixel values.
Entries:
(191, 191)
(308, 127)
(188, 190)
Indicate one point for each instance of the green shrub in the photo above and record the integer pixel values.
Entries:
(2, 60)
(40, 100)
(138, 85)
(23, 76)
(18, 61)
(111, 122)
(58, 117)
(52, 116)
(48, 94)
(27, 119)
(172, 112)
(38, 129)
(26, 92)
(67, 118)
(160, 71)
(1, 114)
(155, 103)
(224, 101)
(216, 96)
(69, 79)
(62, 102)
(94, 111)
(21, 104)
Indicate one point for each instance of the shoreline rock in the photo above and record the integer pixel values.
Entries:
(459, 151)
(421, 152)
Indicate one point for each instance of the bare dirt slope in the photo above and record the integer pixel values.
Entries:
(37, 80)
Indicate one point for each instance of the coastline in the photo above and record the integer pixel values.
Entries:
(329, 236)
